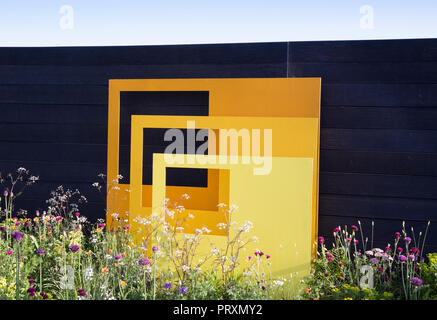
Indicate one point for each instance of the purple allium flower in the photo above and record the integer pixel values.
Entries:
(74, 248)
(155, 249)
(402, 258)
(5, 193)
(40, 252)
(168, 285)
(31, 290)
(412, 257)
(144, 262)
(374, 261)
(117, 257)
(43, 295)
(369, 253)
(17, 235)
(2, 228)
(31, 281)
(407, 239)
(183, 290)
(417, 282)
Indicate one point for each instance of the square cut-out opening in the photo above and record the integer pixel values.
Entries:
(191, 219)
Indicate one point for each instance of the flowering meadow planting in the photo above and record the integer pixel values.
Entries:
(59, 254)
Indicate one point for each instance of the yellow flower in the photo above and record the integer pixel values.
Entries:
(110, 251)
(116, 265)
(335, 290)
(36, 219)
(122, 283)
(99, 230)
(348, 298)
(89, 252)
(42, 236)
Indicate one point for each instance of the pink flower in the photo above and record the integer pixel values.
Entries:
(250, 257)
(349, 239)
(400, 249)
(380, 268)
(126, 227)
(9, 252)
(340, 264)
(354, 228)
(397, 235)
(77, 214)
(355, 241)
(267, 256)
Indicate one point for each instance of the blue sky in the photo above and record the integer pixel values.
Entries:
(135, 22)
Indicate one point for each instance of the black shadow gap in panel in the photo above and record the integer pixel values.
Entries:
(167, 103)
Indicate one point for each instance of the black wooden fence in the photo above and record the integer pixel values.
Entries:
(379, 111)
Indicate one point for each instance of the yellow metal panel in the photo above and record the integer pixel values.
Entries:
(271, 97)
(292, 137)
(279, 205)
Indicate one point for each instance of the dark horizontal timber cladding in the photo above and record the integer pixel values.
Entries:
(379, 95)
(99, 75)
(378, 207)
(379, 140)
(379, 162)
(384, 229)
(413, 118)
(18, 113)
(366, 72)
(378, 158)
(54, 94)
(382, 185)
(414, 50)
(145, 55)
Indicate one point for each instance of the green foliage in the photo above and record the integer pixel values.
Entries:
(350, 271)
(429, 276)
